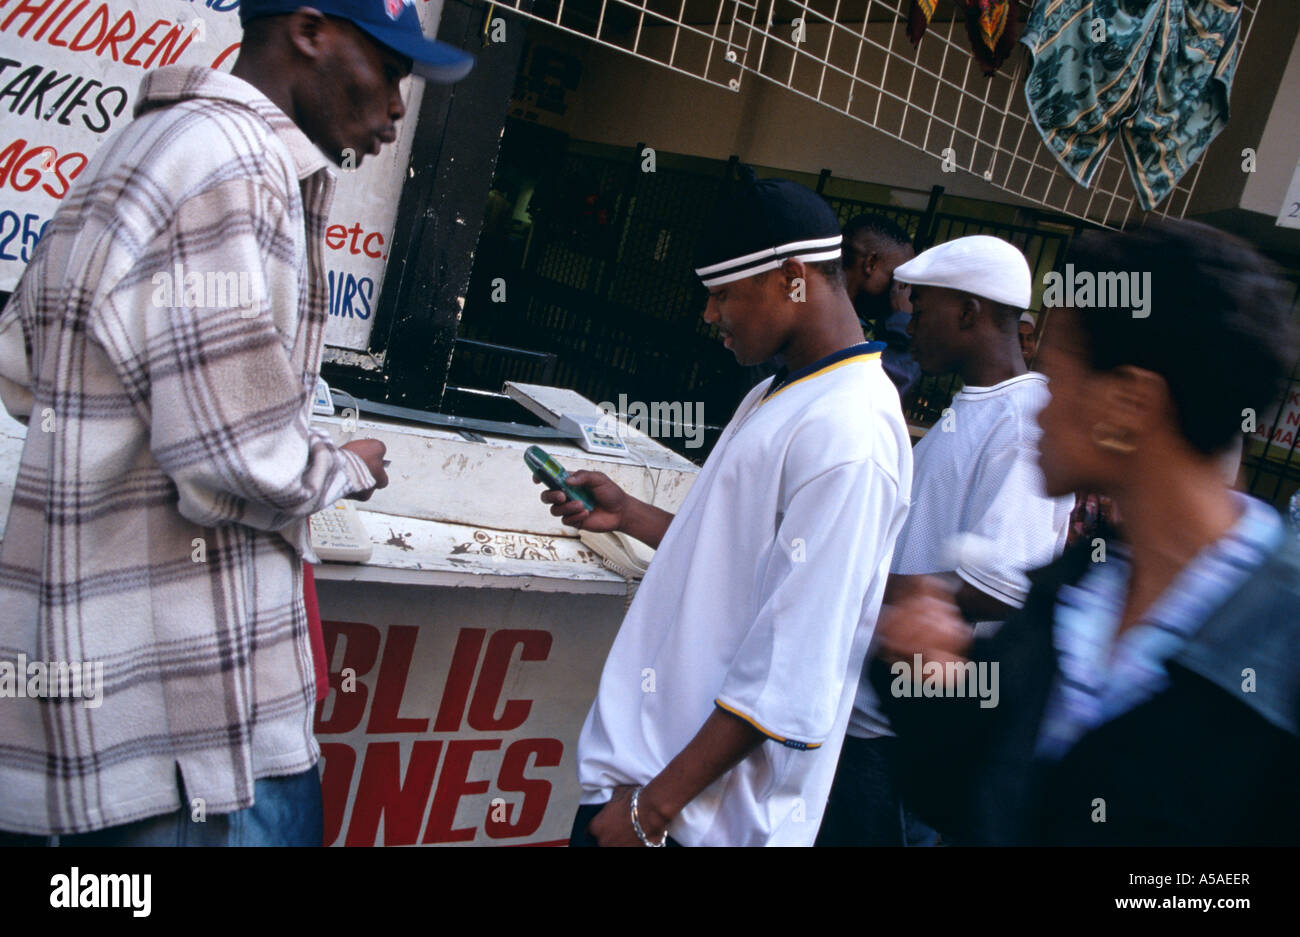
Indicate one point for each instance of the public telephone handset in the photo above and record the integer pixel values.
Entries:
(338, 534)
(625, 555)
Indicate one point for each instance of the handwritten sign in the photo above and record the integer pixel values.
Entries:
(70, 72)
(1289, 216)
(1279, 424)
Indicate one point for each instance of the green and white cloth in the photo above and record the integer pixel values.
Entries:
(1156, 75)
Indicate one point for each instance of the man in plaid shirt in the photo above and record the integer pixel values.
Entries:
(164, 344)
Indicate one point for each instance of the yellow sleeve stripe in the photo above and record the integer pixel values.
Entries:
(789, 743)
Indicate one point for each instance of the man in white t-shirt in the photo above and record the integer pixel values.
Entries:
(980, 517)
(725, 696)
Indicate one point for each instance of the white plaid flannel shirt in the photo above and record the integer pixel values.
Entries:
(159, 514)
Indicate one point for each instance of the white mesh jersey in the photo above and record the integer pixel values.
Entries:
(981, 478)
(761, 600)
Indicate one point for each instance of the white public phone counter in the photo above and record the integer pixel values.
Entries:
(465, 652)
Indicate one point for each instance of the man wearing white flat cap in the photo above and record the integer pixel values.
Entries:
(980, 517)
(1028, 337)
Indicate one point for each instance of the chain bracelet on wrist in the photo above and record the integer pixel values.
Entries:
(636, 824)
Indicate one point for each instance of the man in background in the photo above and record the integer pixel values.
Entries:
(874, 246)
(1028, 329)
(159, 521)
(980, 516)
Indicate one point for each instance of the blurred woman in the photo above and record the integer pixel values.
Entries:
(1149, 690)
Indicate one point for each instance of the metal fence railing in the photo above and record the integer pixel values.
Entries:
(1271, 470)
(604, 295)
(606, 282)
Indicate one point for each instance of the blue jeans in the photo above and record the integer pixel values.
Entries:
(286, 812)
(917, 832)
(864, 808)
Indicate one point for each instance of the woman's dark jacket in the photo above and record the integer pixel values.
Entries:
(1203, 762)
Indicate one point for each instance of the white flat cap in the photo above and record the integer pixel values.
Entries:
(1027, 317)
(979, 264)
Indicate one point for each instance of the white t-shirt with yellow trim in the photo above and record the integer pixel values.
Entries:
(761, 599)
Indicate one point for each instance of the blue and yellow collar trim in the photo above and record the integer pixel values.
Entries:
(863, 351)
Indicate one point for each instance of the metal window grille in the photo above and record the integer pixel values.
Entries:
(613, 297)
(607, 283)
(1272, 471)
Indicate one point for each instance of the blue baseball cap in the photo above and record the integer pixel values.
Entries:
(393, 23)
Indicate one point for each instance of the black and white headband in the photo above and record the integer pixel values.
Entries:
(808, 251)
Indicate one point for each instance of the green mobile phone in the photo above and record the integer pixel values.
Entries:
(553, 475)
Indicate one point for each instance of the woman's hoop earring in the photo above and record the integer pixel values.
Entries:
(1108, 437)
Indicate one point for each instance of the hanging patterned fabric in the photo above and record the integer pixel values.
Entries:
(1157, 75)
(991, 25)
